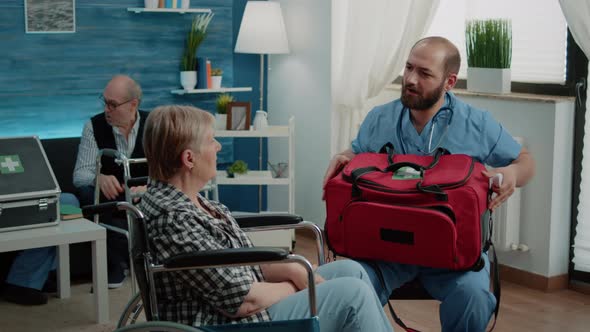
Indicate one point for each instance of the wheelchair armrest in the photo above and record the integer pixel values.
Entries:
(136, 182)
(90, 210)
(258, 220)
(281, 221)
(233, 256)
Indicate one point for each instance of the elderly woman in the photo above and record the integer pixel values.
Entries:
(181, 150)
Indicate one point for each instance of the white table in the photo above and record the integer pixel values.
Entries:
(66, 232)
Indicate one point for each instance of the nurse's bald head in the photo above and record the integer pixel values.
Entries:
(451, 59)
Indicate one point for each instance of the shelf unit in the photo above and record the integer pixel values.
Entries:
(139, 10)
(264, 177)
(220, 90)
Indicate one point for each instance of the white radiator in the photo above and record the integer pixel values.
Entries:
(506, 235)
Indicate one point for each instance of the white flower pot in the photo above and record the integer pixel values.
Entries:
(216, 82)
(150, 4)
(220, 121)
(488, 80)
(188, 79)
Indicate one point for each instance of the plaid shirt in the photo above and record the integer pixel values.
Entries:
(175, 225)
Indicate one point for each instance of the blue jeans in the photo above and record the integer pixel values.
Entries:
(466, 301)
(31, 267)
(346, 301)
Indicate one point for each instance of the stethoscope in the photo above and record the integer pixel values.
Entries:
(447, 110)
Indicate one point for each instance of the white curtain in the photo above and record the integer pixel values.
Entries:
(370, 43)
(577, 15)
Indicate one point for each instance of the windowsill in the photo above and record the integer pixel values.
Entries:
(513, 96)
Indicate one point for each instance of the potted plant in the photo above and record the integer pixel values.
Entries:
(237, 168)
(221, 106)
(194, 38)
(489, 53)
(216, 74)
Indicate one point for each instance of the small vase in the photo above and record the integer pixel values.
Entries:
(150, 4)
(216, 82)
(188, 79)
(221, 121)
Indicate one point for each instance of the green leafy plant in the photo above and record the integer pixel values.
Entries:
(216, 72)
(194, 38)
(238, 167)
(222, 101)
(489, 43)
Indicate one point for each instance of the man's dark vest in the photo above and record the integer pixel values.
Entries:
(105, 139)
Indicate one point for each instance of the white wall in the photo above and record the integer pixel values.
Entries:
(299, 86)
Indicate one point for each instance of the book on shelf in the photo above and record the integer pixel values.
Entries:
(161, 4)
(201, 73)
(209, 84)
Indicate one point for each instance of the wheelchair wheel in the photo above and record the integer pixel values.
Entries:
(132, 310)
(161, 326)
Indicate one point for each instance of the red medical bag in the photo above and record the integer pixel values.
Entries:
(421, 210)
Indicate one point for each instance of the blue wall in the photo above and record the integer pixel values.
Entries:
(48, 78)
(50, 83)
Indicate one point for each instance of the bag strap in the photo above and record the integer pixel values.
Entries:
(494, 266)
(495, 284)
(390, 150)
(395, 317)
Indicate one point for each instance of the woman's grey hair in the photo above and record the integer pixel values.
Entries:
(169, 130)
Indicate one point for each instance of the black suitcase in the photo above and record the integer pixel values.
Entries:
(29, 193)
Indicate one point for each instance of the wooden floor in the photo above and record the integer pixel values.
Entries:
(521, 308)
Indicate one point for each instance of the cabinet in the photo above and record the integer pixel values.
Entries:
(264, 177)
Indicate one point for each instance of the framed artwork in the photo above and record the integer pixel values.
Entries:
(50, 16)
(238, 116)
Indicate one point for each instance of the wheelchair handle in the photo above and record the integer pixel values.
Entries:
(109, 153)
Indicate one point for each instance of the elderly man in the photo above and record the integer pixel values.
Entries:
(119, 127)
(419, 123)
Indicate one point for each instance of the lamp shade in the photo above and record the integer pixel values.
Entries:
(262, 30)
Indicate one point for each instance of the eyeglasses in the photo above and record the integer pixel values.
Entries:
(110, 104)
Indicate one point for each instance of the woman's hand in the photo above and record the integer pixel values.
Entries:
(292, 272)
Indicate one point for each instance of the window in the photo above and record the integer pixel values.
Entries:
(539, 34)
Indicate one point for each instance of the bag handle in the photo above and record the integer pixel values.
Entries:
(390, 150)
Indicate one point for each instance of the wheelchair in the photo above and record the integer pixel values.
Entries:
(145, 268)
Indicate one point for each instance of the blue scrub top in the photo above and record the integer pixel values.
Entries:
(457, 127)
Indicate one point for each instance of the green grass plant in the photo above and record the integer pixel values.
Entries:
(194, 38)
(489, 43)
(222, 101)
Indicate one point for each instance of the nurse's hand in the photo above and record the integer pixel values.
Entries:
(336, 164)
(504, 191)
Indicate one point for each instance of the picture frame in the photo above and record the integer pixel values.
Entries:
(50, 16)
(238, 116)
